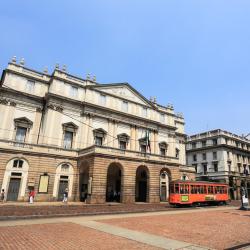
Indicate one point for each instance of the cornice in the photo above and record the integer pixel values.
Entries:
(26, 75)
(86, 105)
(226, 146)
(16, 93)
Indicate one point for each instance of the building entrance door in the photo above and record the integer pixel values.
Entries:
(63, 184)
(142, 191)
(13, 189)
(163, 192)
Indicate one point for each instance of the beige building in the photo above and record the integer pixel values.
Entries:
(104, 142)
(221, 156)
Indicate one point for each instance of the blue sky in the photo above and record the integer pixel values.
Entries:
(193, 54)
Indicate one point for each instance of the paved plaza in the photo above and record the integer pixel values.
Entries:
(200, 228)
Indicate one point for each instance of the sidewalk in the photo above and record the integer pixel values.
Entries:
(24, 210)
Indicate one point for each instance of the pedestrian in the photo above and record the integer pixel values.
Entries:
(31, 196)
(65, 195)
(2, 196)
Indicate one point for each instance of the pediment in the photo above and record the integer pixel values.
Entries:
(23, 120)
(70, 125)
(124, 90)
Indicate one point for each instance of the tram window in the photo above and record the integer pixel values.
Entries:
(172, 189)
(202, 189)
(210, 189)
(186, 190)
(182, 188)
(176, 186)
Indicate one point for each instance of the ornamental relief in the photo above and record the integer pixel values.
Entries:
(55, 107)
(5, 101)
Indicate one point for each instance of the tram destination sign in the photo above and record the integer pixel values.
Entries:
(184, 198)
(209, 198)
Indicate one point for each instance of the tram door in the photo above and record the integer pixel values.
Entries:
(13, 189)
(63, 184)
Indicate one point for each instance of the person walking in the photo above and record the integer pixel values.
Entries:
(31, 196)
(2, 196)
(65, 195)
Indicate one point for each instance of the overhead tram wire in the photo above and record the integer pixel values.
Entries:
(115, 138)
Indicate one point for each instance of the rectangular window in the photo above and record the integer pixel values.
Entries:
(144, 112)
(143, 148)
(102, 100)
(194, 145)
(214, 155)
(162, 118)
(98, 141)
(204, 168)
(30, 86)
(21, 134)
(194, 157)
(238, 157)
(204, 156)
(73, 91)
(215, 142)
(123, 145)
(177, 153)
(204, 143)
(124, 106)
(68, 139)
(195, 166)
(239, 167)
(163, 151)
(43, 184)
(215, 167)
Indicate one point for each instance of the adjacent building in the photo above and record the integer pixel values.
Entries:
(104, 142)
(222, 156)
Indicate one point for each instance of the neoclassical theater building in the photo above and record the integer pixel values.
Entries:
(104, 142)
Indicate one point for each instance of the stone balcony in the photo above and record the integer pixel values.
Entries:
(11, 145)
(128, 154)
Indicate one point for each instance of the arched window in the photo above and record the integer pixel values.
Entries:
(17, 163)
(184, 177)
(65, 168)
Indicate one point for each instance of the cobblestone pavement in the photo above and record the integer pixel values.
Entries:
(62, 236)
(213, 229)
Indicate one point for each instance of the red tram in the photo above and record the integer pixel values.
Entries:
(194, 192)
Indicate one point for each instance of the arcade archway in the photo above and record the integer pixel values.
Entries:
(142, 184)
(114, 183)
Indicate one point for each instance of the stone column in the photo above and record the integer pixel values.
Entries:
(90, 137)
(110, 133)
(156, 146)
(132, 136)
(136, 139)
(36, 125)
(115, 141)
(152, 144)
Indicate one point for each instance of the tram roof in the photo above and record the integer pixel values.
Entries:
(198, 182)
